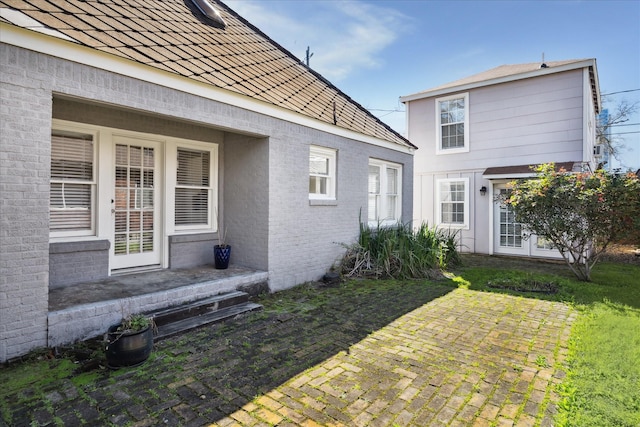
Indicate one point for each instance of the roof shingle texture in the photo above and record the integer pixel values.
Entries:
(174, 36)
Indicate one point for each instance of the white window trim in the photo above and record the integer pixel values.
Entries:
(332, 155)
(465, 224)
(104, 180)
(61, 235)
(383, 181)
(172, 146)
(465, 149)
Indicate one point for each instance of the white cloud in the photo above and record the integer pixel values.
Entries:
(343, 36)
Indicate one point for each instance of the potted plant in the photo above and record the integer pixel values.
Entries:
(221, 251)
(129, 343)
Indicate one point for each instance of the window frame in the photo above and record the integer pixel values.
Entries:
(439, 124)
(212, 203)
(93, 183)
(383, 195)
(439, 202)
(331, 155)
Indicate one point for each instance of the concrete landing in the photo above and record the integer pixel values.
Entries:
(87, 310)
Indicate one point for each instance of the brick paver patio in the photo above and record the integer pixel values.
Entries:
(468, 358)
(359, 355)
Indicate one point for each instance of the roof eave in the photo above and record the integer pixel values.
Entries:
(504, 79)
(72, 51)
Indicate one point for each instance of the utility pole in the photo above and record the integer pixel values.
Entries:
(309, 55)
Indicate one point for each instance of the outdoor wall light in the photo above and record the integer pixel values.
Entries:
(483, 190)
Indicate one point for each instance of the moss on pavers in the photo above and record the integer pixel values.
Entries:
(447, 362)
(367, 352)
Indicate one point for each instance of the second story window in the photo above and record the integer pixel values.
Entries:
(452, 118)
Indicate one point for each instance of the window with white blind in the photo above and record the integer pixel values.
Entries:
(453, 205)
(72, 191)
(193, 193)
(385, 190)
(322, 173)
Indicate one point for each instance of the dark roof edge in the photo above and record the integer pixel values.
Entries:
(519, 170)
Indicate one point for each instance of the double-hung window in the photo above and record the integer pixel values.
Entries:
(322, 173)
(193, 193)
(72, 185)
(452, 124)
(385, 193)
(453, 202)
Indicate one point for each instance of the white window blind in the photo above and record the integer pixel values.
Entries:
(72, 182)
(193, 188)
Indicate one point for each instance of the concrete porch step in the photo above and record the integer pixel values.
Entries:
(216, 316)
(106, 302)
(218, 308)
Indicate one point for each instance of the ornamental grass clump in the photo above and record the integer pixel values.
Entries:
(400, 252)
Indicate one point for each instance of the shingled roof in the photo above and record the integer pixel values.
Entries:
(175, 36)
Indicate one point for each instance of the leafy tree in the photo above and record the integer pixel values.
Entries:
(579, 213)
(618, 116)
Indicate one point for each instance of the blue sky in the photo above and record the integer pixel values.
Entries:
(377, 51)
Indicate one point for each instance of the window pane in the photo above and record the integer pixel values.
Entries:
(318, 185)
(70, 207)
(452, 202)
(122, 157)
(135, 156)
(373, 208)
(374, 179)
(452, 118)
(192, 193)
(71, 186)
(392, 181)
(384, 187)
(193, 167)
(318, 165)
(322, 173)
(391, 207)
(71, 157)
(192, 206)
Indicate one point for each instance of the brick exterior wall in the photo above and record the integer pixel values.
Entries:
(191, 250)
(263, 182)
(76, 262)
(25, 120)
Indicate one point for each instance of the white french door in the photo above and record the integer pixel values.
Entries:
(509, 234)
(135, 207)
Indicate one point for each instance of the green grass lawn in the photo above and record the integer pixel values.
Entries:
(602, 386)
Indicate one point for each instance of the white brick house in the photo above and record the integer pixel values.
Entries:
(478, 133)
(125, 130)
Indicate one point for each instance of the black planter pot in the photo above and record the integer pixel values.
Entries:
(128, 348)
(221, 255)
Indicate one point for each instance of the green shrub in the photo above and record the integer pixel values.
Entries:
(400, 252)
